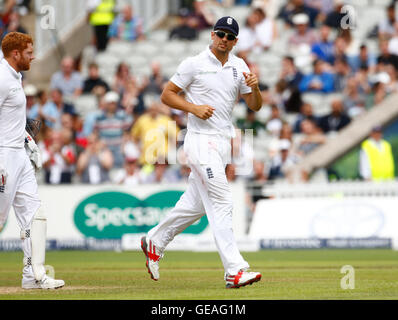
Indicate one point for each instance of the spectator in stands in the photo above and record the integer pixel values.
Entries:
(286, 132)
(342, 71)
(44, 110)
(111, 125)
(130, 99)
(334, 18)
(91, 118)
(294, 7)
(2, 29)
(264, 88)
(379, 91)
(100, 16)
(393, 42)
(94, 84)
(130, 175)
(155, 83)
(122, 78)
(265, 29)
(376, 160)
(162, 173)
(306, 113)
(303, 34)
(392, 86)
(259, 174)
(230, 172)
(312, 137)
(318, 81)
(67, 80)
(385, 57)
(250, 122)
(247, 37)
(353, 100)
(56, 108)
(290, 73)
(286, 98)
(352, 43)
(30, 93)
(362, 76)
(386, 27)
(340, 48)
(203, 15)
(185, 29)
(274, 123)
(282, 163)
(324, 48)
(13, 25)
(152, 131)
(364, 59)
(336, 120)
(94, 162)
(59, 158)
(126, 26)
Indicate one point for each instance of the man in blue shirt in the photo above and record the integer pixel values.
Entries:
(126, 26)
(324, 49)
(318, 81)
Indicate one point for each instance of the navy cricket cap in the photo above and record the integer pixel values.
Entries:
(227, 23)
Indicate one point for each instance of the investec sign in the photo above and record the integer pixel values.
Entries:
(112, 214)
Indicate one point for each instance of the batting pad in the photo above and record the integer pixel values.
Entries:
(38, 240)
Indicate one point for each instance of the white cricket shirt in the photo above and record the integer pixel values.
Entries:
(12, 107)
(206, 81)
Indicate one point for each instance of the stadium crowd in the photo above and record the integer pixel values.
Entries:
(115, 142)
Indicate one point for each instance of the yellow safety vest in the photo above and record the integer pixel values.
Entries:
(103, 14)
(381, 161)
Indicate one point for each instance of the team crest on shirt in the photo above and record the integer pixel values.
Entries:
(235, 73)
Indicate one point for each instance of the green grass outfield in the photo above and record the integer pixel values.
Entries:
(289, 274)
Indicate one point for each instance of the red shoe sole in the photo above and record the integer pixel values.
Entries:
(256, 279)
(143, 247)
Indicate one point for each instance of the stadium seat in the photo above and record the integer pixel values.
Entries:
(204, 35)
(85, 103)
(146, 48)
(158, 36)
(106, 59)
(240, 13)
(196, 47)
(174, 48)
(136, 61)
(120, 48)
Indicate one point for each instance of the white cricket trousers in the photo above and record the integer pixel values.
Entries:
(207, 193)
(21, 192)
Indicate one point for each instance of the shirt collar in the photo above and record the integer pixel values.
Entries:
(212, 56)
(16, 75)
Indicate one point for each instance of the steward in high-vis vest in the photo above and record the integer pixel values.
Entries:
(376, 158)
(101, 15)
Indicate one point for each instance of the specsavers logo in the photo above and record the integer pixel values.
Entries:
(112, 214)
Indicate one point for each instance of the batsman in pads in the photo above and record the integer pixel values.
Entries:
(212, 82)
(19, 158)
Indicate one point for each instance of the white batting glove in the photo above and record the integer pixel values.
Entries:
(3, 175)
(33, 151)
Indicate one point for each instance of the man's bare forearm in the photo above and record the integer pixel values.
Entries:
(254, 99)
(174, 100)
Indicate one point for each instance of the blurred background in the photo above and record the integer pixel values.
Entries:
(325, 143)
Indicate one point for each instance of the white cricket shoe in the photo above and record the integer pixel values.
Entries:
(153, 255)
(45, 283)
(241, 279)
